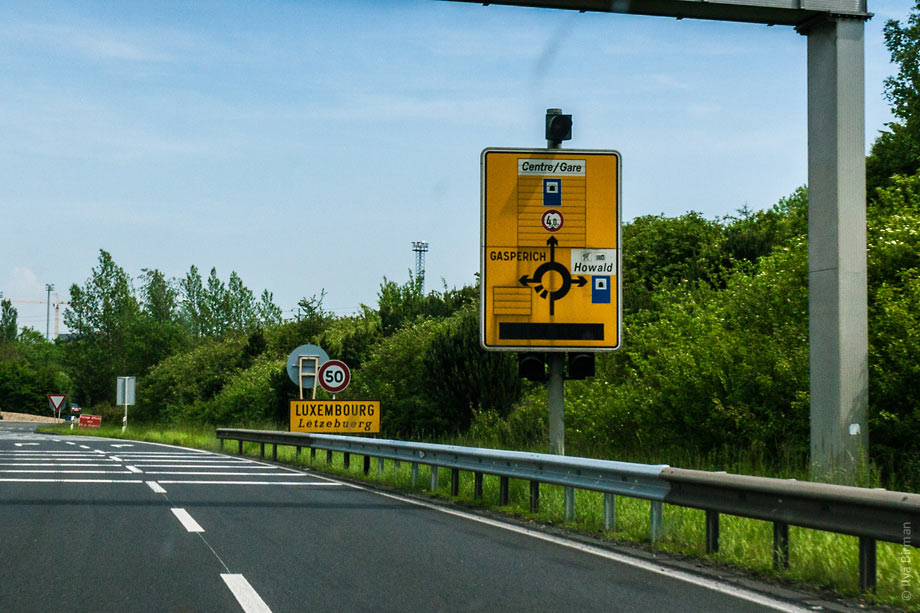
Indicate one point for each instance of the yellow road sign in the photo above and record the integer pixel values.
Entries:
(550, 256)
(333, 416)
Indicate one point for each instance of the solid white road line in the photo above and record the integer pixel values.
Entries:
(248, 598)
(190, 524)
(250, 482)
(155, 487)
(59, 464)
(211, 473)
(72, 472)
(710, 584)
(6, 480)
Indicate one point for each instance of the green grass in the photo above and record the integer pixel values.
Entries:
(817, 559)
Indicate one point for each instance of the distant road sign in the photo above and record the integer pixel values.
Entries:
(550, 258)
(125, 390)
(56, 401)
(293, 363)
(334, 376)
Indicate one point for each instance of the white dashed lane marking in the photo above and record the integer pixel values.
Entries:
(187, 520)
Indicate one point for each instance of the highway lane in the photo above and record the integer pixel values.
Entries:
(92, 524)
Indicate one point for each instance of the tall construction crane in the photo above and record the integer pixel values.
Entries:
(56, 303)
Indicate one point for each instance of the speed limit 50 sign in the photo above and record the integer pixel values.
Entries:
(334, 376)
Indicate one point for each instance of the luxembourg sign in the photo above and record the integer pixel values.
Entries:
(550, 259)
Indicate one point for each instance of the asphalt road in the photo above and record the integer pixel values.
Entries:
(105, 525)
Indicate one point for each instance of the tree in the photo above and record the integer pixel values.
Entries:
(897, 151)
(158, 296)
(101, 315)
(193, 311)
(8, 327)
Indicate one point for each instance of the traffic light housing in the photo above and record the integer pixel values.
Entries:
(580, 365)
(558, 126)
(532, 366)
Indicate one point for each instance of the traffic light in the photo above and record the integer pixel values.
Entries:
(580, 366)
(532, 366)
(558, 126)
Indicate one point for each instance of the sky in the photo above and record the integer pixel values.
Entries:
(306, 144)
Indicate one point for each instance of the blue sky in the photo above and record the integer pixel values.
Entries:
(306, 144)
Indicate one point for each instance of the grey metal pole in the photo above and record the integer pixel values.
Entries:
(48, 288)
(556, 383)
(837, 306)
(556, 390)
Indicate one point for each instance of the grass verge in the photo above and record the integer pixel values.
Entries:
(818, 559)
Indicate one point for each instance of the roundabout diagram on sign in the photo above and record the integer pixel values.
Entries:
(536, 281)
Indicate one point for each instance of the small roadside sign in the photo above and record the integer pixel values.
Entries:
(334, 376)
(56, 401)
(90, 421)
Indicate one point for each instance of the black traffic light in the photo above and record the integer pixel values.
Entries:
(532, 366)
(580, 366)
(558, 126)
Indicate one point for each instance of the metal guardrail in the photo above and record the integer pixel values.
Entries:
(870, 514)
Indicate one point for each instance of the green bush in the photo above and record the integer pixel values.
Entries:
(462, 377)
(173, 388)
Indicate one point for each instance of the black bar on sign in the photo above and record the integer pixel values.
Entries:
(550, 332)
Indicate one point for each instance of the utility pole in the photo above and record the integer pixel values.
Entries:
(49, 287)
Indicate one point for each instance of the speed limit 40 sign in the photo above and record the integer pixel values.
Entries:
(334, 376)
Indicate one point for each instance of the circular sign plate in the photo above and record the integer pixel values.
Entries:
(294, 360)
(552, 220)
(334, 376)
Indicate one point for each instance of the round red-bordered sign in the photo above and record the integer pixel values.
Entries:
(552, 220)
(334, 376)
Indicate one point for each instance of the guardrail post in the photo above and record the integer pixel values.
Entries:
(780, 545)
(367, 465)
(297, 453)
(312, 454)
(240, 451)
(868, 573)
(712, 531)
(221, 444)
(379, 466)
(346, 460)
(395, 465)
(503, 497)
(656, 520)
(274, 452)
(328, 456)
(477, 486)
(610, 512)
(534, 496)
(262, 450)
(454, 481)
(570, 504)
(434, 477)
(414, 473)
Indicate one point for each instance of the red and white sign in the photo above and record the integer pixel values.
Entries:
(552, 220)
(90, 421)
(334, 376)
(56, 401)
